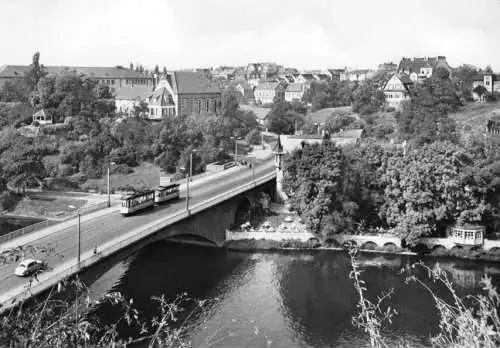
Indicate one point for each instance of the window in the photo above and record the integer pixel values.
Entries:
(469, 235)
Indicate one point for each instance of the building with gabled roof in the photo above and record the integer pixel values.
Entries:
(127, 98)
(42, 117)
(160, 104)
(265, 92)
(490, 81)
(295, 91)
(421, 68)
(397, 89)
(192, 92)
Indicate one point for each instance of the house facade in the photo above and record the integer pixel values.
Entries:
(192, 92)
(127, 98)
(295, 91)
(42, 118)
(490, 81)
(419, 69)
(160, 104)
(397, 89)
(266, 92)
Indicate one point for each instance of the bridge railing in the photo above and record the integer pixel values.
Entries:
(110, 247)
(43, 224)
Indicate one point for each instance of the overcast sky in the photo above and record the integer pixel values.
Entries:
(202, 33)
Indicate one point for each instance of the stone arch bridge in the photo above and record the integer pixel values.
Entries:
(210, 225)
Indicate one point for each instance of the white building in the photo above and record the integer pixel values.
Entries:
(396, 90)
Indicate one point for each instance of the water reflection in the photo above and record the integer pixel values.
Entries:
(281, 299)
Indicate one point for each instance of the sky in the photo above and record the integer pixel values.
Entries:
(305, 34)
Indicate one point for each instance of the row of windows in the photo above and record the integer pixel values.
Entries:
(162, 111)
(394, 96)
(189, 106)
(136, 81)
(468, 234)
(138, 200)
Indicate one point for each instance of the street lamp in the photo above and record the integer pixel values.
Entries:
(79, 238)
(188, 178)
(109, 195)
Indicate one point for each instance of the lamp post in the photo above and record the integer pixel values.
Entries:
(79, 238)
(109, 194)
(262, 139)
(188, 178)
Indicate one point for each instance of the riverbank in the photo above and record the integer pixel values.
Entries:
(263, 245)
(282, 229)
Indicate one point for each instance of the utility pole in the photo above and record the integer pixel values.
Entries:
(79, 240)
(109, 195)
(188, 179)
(235, 151)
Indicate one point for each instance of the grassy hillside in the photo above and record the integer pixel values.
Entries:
(473, 117)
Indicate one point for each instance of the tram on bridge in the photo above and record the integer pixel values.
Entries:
(166, 193)
(147, 199)
(137, 201)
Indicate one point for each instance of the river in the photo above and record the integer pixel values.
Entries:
(284, 299)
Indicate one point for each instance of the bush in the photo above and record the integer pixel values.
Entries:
(8, 200)
(253, 137)
(122, 169)
(66, 170)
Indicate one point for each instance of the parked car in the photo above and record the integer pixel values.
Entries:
(28, 267)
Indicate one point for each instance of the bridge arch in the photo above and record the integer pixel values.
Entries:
(369, 245)
(390, 246)
(191, 238)
(438, 247)
(244, 210)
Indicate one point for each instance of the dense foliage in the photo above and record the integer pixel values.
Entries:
(412, 193)
(424, 118)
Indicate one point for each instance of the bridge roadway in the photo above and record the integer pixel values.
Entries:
(107, 227)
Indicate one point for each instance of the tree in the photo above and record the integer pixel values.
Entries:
(35, 72)
(481, 91)
(282, 119)
(16, 90)
(336, 122)
(157, 70)
(131, 66)
(425, 193)
(488, 69)
(254, 137)
(425, 118)
(368, 98)
(314, 180)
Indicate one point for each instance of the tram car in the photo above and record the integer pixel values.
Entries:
(137, 201)
(166, 193)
